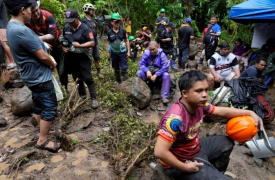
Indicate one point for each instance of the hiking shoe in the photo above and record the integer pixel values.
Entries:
(95, 104)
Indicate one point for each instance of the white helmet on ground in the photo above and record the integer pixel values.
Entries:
(88, 7)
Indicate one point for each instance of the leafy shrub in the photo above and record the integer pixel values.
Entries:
(57, 9)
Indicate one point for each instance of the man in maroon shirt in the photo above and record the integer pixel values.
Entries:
(44, 25)
(183, 154)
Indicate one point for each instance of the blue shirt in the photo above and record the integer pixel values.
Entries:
(217, 29)
(252, 71)
(23, 43)
(100, 23)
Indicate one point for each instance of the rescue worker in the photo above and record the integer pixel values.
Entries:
(223, 66)
(181, 152)
(44, 25)
(145, 36)
(167, 45)
(120, 48)
(133, 48)
(161, 22)
(154, 66)
(81, 37)
(90, 21)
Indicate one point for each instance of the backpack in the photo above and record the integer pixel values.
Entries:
(208, 39)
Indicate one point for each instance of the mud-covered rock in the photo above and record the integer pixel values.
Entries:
(137, 90)
(11, 79)
(193, 50)
(21, 103)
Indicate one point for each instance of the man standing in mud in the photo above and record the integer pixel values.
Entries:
(182, 153)
(35, 68)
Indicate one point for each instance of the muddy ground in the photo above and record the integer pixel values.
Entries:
(85, 162)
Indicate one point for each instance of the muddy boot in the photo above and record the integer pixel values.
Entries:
(98, 73)
(118, 78)
(94, 101)
(125, 76)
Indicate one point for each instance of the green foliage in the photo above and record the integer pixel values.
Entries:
(57, 9)
(197, 32)
(72, 4)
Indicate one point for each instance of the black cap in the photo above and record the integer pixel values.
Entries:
(170, 24)
(224, 45)
(71, 14)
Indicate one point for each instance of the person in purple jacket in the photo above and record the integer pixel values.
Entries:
(154, 66)
(241, 51)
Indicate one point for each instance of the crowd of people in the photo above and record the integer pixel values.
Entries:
(32, 33)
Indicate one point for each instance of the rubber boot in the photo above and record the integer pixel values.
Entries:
(118, 78)
(173, 65)
(81, 90)
(125, 76)
(201, 60)
(92, 91)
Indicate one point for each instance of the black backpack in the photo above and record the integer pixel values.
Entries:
(208, 39)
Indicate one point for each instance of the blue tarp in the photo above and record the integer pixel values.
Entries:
(254, 11)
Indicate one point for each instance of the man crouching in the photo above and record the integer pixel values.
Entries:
(154, 66)
(181, 152)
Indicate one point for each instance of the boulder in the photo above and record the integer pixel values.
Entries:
(137, 90)
(11, 79)
(21, 103)
(193, 50)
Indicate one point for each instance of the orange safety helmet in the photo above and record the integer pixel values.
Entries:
(241, 129)
(144, 28)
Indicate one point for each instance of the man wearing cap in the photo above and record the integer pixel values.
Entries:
(161, 21)
(167, 45)
(211, 37)
(90, 21)
(81, 37)
(35, 68)
(223, 66)
(44, 25)
(185, 34)
(120, 48)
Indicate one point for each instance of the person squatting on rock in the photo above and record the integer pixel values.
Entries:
(81, 37)
(223, 66)
(90, 21)
(120, 48)
(166, 43)
(6, 54)
(44, 25)
(35, 68)
(180, 150)
(154, 66)
(185, 34)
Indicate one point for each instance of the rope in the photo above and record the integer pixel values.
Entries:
(268, 111)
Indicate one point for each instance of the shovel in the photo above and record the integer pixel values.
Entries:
(262, 147)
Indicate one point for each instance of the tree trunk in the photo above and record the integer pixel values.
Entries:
(64, 2)
(228, 28)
